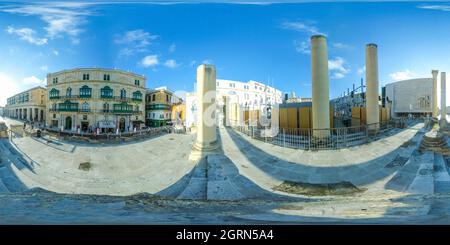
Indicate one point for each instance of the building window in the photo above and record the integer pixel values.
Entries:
(106, 107)
(137, 82)
(54, 94)
(123, 94)
(153, 97)
(137, 96)
(69, 92)
(123, 107)
(106, 77)
(106, 92)
(54, 115)
(167, 98)
(55, 80)
(68, 106)
(85, 117)
(85, 92)
(85, 107)
(86, 76)
(153, 115)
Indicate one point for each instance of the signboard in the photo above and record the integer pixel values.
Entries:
(106, 124)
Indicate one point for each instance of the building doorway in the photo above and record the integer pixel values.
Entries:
(55, 123)
(68, 125)
(84, 126)
(122, 125)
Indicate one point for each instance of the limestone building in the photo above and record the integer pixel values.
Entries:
(91, 99)
(159, 102)
(413, 96)
(28, 105)
(250, 96)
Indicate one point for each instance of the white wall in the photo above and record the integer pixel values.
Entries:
(407, 95)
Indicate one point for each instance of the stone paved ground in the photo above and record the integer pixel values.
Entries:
(389, 170)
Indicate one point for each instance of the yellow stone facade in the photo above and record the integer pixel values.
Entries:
(28, 105)
(159, 107)
(95, 100)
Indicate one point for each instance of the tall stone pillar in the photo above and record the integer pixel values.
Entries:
(443, 122)
(435, 85)
(320, 86)
(206, 142)
(372, 106)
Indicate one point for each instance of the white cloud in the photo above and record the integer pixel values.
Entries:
(172, 48)
(61, 18)
(150, 60)
(33, 81)
(44, 68)
(402, 75)
(9, 88)
(301, 27)
(341, 45)
(55, 52)
(445, 8)
(27, 34)
(171, 63)
(302, 47)
(337, 66)
(361, 70)
(135, 41)
(192, 64)
(207, 61)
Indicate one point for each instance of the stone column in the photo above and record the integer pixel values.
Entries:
(372, 107)
(435, 85)
(206, 142)
(443, 122)
(320, 86)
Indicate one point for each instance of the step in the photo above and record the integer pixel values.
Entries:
(441, 175)
(10, 180)
(423, 183)
(405, 175)
(3, 188)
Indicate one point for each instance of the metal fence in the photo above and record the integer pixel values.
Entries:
(321, 139)
(106, 137)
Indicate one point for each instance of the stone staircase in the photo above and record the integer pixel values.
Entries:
(435, 142)
(427, 171)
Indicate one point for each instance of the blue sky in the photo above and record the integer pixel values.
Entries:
(258, 41)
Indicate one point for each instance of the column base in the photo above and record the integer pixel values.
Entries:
(200, 150)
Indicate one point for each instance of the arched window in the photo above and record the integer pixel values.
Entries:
(54, 94)
(123, 94)
(69, 92)
(85, 92)
(137, 96)
(106, 92)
